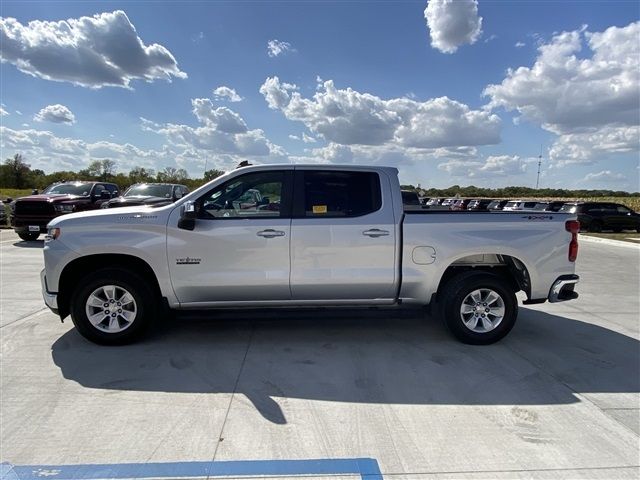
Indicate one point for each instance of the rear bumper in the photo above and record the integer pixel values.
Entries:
(563, 289)
(50, 299)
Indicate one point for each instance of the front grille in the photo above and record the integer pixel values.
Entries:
(34, 208)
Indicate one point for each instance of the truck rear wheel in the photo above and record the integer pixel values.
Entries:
(112, 306)
(478, 308)
(29, 236)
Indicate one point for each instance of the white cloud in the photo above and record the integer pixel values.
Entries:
(55, 114)
(591, 146)
(520, 44)
(605, 176)
(18, 112)
(3, 112)
(294, 137)
(221, 119)
(492, 166)
(103, 50)
(308, 138)
(453, 23)
(591, 101)
(44, 150)
(276, 48)
(226, 93)
(221, 132)
(349, 117)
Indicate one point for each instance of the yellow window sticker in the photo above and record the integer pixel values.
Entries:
(319, 209)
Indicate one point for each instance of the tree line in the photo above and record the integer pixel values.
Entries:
(16, 173)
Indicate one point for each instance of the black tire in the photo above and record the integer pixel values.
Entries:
(595, 226)
(29, 236)
(146, 304)
(458, 288)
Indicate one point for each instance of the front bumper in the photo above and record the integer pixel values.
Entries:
(563, 289)
(21, 224)
(50, 299)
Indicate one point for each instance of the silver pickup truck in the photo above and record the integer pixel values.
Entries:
(320, 235)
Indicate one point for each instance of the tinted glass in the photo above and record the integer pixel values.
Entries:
(82, 189)
(567, 207)
(622, 209)
(147, 190)
(341, 194)
(254, 195)
(410, 198)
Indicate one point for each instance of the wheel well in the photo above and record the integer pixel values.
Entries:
(78, 268)
(512, 270)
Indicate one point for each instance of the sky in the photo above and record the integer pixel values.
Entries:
(448, 91)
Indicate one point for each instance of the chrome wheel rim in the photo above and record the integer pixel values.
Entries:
(482, 310)
(111, 309)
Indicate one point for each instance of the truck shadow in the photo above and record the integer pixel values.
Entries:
(29, 244)
(369, 357)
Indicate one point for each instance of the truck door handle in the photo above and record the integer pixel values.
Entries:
(375, 232)
(270, 233)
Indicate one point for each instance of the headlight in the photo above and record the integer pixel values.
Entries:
(64, 208)
(52, 234)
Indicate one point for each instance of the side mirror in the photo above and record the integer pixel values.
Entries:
(188, 216)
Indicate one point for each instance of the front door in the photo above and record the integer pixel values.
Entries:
(239, 248)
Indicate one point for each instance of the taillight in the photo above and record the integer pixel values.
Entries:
(573, 227)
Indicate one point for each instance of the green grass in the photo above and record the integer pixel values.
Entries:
(14, 193)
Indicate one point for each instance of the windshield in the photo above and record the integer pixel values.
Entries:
(81, 189)
(147, 190)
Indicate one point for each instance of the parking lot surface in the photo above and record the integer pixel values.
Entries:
(335, 394)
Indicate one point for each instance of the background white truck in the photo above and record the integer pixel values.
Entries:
(318, 236)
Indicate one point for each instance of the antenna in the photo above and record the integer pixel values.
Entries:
(539, 163)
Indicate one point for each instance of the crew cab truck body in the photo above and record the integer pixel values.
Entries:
(30, 215)
(328, 236)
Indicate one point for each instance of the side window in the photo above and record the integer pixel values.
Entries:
(113, 190)
(340, 194)
(623, 210)
(98, 189)
(177, 191)
(253, 195)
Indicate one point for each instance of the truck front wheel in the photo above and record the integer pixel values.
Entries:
(112, 306)
(29, 236)
(478, 308)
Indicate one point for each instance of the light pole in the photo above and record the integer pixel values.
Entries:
(539, 164)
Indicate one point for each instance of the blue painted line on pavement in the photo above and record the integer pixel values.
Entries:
(367, 468)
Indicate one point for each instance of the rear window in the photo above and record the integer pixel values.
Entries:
(530, 204)
(511, 204)
(340, 194)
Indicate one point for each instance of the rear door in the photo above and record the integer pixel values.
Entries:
(343, 236)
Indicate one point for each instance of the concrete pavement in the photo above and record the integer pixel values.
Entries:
(559, 397)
